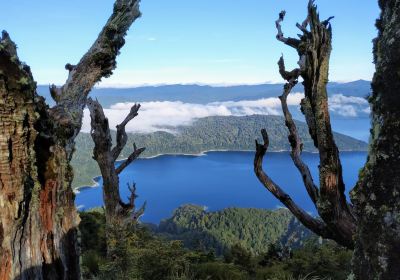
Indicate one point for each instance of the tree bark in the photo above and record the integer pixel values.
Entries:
(314, 48)
(371, 225)
(376, 196)
(121, 217)
(38, 219)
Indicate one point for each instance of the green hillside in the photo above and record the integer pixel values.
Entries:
(253, 229)
(251, 240)
(210, 133)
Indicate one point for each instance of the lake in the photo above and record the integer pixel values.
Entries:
(216, 180)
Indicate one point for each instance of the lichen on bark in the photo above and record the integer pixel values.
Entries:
(376, 196)
(370, 223)
(121, 217)
(38, 218)
(314, 48)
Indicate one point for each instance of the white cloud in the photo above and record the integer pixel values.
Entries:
(340, 99)
(367, 110)
(343, 110)
(348, 106)
(167, 115)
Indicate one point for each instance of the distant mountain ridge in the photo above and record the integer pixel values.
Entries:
(205, 134)
(203, 94)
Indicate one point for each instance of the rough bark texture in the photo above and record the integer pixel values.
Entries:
(314, 48)
(376, 196)
(372, 225)
(38, 219)
(119, 215)
(318, 226)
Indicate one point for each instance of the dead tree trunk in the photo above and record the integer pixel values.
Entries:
(372, 225)
(119, 215)
(314, 48)
(38, 219)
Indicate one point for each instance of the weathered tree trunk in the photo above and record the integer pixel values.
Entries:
(376, 196)
(372, 225)
(120, 216)
(314, 49)
(38, 219)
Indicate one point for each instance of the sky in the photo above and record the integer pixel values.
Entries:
(218, 42)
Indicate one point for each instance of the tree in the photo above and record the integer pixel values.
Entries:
(370, 223)
(38, 219)
(120, 216)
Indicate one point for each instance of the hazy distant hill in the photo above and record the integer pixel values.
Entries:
(254, 229)
(210, 133)
(207, 94)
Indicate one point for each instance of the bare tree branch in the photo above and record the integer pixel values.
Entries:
(129, 209)
(38, 145)
(332, 204)
(288, 41)
(314, 49)
(303, 26)
(133, 195)
(306, 219)
(98, 62)
(294, 138)
(122, 137)
(100, 130)
(305, 23)
(291, 76)
(116, 209)
(135, 154)
(120, 215)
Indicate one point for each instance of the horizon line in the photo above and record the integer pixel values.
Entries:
(129, 86)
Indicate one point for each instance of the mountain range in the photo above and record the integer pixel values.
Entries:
(203, 94)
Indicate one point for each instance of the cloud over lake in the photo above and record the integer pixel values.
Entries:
(167, 115)
(348, 106)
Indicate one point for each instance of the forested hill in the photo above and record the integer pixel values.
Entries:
(252, 229)
(230, 244)
(210, 133)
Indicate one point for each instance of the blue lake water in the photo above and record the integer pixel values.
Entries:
(216, 180)
(354, 127)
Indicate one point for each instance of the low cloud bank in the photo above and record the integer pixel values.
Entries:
(348, 106)
(167, 115)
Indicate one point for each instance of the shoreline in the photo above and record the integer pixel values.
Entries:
(94, 185)
(202, 153)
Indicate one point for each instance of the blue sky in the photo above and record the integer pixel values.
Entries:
(188, 41)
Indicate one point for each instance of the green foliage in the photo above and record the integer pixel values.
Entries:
(210, 133)
(252, 229)
(219, 271)
(240, 257)
(147, 256)
(92, 229)
(312, 260)
(140, 256)
(329, 260)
